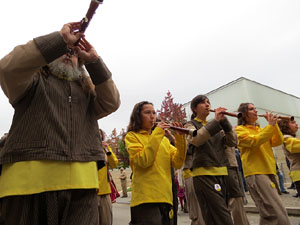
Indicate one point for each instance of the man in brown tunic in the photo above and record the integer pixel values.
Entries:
(50, 157)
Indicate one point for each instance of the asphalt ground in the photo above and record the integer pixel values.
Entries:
(121, 214)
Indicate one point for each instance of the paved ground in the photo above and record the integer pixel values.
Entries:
(121, 208)
(121, 212)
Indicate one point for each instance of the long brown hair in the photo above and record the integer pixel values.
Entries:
(136, 123)
(243, 108)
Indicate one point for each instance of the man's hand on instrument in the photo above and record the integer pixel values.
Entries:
(70, 33)
(86, 51)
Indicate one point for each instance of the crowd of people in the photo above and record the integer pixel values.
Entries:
(55, 161)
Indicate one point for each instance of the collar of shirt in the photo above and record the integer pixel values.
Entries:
(201, 121)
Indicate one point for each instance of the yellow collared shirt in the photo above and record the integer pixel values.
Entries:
(151, 158)
(256, 145)
(293, 146)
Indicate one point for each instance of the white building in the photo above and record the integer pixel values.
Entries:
(265, 98)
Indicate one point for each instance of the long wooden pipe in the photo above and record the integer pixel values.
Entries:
(291, 118)
(88, 17)
(192, 132)
(238, 115)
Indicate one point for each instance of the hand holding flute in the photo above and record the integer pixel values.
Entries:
(220, 113)
(291, 118)
(176, 125)
(179, 129)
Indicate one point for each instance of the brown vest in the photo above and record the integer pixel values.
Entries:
(55, 120)
(211, 153)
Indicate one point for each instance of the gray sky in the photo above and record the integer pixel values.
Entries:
(189, 47)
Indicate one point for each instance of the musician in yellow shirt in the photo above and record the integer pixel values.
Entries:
(259, 164)
(291, 147)
(151, 158)
(104, 200)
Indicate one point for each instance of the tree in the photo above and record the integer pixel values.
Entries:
(117, 143)
(170, 111)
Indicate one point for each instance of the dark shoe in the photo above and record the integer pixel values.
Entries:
(292, 186)
(285, 192)
(124, 196)
(296, 195)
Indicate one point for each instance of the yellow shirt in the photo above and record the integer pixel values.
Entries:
(32, 177)
(293, 146)
(187, 173)
(104, 186)
(256, 145)
(209, 171)
(151, 158)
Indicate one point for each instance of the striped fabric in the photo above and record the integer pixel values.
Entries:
(55, 120)
(69, 207)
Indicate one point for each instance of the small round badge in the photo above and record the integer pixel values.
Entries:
(218, 187)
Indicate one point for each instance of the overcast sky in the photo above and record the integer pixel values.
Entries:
(189, 47)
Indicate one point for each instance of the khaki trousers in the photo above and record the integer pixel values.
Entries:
(195, 213)
(235, 195)
(236, 207)
(124, 187)
(267, 200)
(105, 210)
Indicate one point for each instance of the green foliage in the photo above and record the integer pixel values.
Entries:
(117, 143)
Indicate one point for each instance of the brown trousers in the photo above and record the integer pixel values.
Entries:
(195, 213)
(67, 207)
(267, 200)
(105, 210)
(211, 194)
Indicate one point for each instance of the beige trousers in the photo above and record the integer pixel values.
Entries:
(124, 187)
(267, 200)
(195, 213)
(238, 214)
(105, 210)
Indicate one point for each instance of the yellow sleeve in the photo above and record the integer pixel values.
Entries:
(178, 152)
(277, 138)
(112, 159)
(248, 140)
(144, 154)
(292, 145)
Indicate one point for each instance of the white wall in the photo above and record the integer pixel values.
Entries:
(263, 97)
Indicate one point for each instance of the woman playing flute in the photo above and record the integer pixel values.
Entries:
(151, 158)
(209, 165)
(259, 163)
(291, 147)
